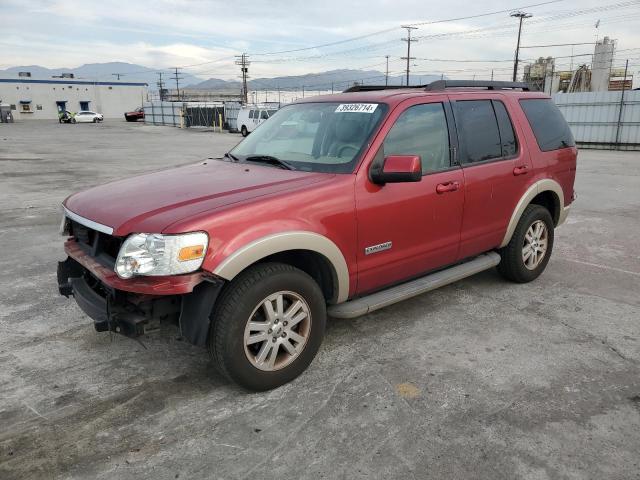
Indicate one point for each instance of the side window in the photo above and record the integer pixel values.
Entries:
(252, 113)
(549, 126)
(421, 130)
(478, 131)
(263, 115)
(507, 135)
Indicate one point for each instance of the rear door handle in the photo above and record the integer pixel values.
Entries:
(521, 170)
(447, 187)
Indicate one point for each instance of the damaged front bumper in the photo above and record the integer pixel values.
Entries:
(134, 314)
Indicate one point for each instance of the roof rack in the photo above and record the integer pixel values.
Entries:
(489, 85)
(373, 88)
(444, 84)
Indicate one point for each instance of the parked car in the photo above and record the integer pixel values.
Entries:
(85, 116)
(135, 115)
(338, 205)
(65, 116)
(250, 117)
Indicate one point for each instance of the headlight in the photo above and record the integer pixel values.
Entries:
(156, 254)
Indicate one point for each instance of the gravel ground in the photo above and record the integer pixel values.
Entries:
(481, 379)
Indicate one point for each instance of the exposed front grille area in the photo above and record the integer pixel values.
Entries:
(104, 248)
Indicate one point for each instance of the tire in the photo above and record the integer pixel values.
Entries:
(244, 131)
(244, 300)
(73, 120)
(95, 120)
(515, 265)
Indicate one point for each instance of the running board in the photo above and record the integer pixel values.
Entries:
(363, 305)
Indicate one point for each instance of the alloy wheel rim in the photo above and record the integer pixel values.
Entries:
(277, 331)
(536, 241)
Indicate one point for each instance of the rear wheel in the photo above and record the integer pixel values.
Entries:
(267, 326)
(526, 256)
(244, 131)
(73, 120)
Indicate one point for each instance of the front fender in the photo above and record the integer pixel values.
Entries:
(268, 245)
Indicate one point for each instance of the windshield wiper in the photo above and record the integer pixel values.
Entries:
(231, 156)
(275, 161)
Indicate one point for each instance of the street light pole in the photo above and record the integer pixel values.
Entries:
(521, 16)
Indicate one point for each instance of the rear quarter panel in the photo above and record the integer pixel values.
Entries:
(559, 165)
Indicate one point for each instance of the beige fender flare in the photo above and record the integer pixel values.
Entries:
(280, 242)
(541, 186)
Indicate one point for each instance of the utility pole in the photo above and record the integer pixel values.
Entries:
(408, 40)
(177, 78)
(161, 86)
(302, 91)
(521, 16)
(118, 75)
(386, 75)
(624, 83)
(244, 68)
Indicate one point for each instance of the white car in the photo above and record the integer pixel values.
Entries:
(85, 116)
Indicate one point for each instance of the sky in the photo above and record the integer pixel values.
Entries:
(298, 37)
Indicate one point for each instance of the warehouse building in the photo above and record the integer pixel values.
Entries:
(29, 98)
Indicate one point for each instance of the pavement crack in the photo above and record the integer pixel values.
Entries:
(603, 341)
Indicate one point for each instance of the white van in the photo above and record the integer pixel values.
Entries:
(250, 117)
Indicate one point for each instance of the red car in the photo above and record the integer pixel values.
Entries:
(137, 114)
(337, 205)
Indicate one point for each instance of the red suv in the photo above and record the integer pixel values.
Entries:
(337, 205)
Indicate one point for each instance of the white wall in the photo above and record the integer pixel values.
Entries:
(111, 99)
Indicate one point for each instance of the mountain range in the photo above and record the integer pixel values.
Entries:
(129, 72)
(333, 79)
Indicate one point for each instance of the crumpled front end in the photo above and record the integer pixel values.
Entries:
(134, 306)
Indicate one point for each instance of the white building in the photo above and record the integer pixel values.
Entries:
(43, 99)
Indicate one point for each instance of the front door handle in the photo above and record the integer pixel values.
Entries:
(447, 187)
(521, 170)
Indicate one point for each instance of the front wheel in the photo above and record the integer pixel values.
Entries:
(73, 120)
(267, 326)
(526, 256)
(244, 131)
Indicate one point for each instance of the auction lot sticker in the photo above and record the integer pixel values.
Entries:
(356, 108)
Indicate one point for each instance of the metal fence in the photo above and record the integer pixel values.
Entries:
(163, 113)
(603, 119)
(204, 115)
(192, 114)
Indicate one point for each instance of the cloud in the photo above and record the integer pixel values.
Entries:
(165, 33)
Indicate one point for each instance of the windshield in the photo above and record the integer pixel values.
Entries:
(318, 137)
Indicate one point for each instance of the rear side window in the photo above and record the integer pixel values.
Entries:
(548, 124)
(507, 136)
(479, 134)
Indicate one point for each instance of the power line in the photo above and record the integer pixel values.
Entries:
(497, 12)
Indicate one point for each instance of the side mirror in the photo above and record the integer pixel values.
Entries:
(397, 168)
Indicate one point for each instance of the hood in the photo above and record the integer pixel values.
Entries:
(152, 202)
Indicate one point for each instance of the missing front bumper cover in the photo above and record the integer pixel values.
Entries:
(135, 314)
